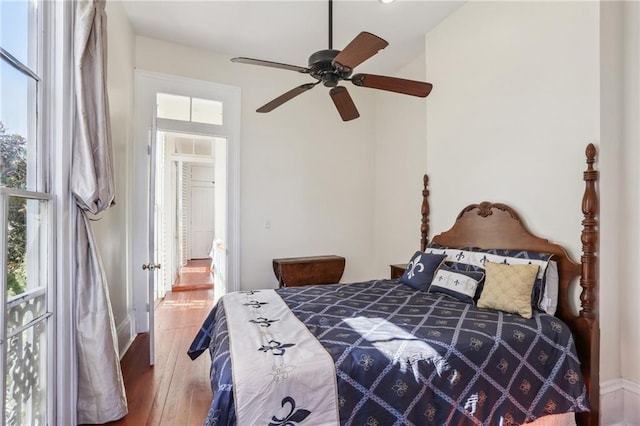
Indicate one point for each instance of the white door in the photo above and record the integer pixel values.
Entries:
(151, 265)
(202, 221)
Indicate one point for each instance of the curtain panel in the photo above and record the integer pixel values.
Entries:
(101, 393)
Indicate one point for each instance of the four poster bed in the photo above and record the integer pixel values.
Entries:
(389, 352)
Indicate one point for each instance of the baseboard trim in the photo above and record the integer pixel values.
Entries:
(619, 399)
(126, 334)
(631, 402)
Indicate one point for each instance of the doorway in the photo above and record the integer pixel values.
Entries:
(178, 145)
(187, 206)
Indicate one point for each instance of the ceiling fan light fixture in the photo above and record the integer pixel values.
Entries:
(386, 1)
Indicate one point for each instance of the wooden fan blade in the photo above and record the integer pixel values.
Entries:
(361, 48)
(270, 106)
(393, 84)
(270, 64)
(344, 103)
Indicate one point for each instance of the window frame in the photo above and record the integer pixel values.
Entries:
(54, 110)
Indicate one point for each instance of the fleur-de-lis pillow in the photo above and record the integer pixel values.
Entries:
(461, 285)
(420, 270)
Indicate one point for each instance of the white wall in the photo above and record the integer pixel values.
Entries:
(400, 163)
(522, 88)
(516, 102)
(302, 168)
(613, 209)
(112, 231)
(630, 186)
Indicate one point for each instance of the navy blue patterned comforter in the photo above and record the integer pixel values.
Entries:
(405, 357)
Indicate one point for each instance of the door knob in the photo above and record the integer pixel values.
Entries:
(150, 266)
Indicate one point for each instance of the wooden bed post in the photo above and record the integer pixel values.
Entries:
(588, 338)
(424, 227)
(589, 238)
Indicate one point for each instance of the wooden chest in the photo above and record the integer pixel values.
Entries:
(298, 271)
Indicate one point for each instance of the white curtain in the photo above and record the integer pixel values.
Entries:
(101, 394)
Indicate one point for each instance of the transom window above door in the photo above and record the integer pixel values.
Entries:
(185, 108)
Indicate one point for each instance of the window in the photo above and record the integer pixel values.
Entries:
(185, 144)
(184, 108)
(25, 219)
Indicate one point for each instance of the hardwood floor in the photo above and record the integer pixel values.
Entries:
(196, 275)
(176, 391)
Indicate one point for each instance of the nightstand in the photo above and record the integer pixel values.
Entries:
(397, 270)
(298, 271)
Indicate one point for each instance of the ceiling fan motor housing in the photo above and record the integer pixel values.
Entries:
(321, 67)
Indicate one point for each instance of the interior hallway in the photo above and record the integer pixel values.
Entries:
(195, 275)
(176, 391)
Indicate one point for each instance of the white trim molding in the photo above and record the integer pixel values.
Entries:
(60, 115)
(126, 332)
(619, 402)
(147, 85)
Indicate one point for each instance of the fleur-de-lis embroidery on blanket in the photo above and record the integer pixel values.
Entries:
(518, 335)
(275, 347)
(415, 266)
(431, 412)
(508, 420)
(460, 256)
(263, 322)
(525, 386)
(572, 377)
(400, 388)
(281, 372)
(293, 417)
(255, 304)
(475, 344)
(250, 292)
(366, 362)
(551, 406)
(482, 397)
(543, 357)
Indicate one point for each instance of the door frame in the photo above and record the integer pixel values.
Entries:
(147, 85)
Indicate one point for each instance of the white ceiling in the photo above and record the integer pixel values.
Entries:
(290, 31)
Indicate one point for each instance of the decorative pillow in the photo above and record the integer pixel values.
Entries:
(549, 300)
(420, 270)
(508, 288)
(475, 259)
(521, 257)
(459, 284)
(468, 269)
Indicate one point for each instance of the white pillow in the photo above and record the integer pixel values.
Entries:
(549, 302)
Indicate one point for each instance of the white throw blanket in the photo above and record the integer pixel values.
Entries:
(281, 373)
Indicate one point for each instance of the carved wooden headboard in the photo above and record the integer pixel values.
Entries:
(491, 225)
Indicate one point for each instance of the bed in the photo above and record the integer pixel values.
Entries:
(383, 353)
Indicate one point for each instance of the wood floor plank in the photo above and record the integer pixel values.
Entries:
(176, 391)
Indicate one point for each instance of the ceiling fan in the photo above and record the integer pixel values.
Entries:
(331, 66)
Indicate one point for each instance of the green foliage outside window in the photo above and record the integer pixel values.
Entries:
(13, 174)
